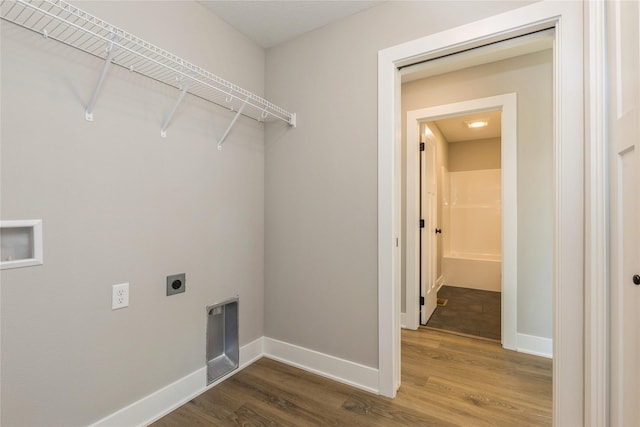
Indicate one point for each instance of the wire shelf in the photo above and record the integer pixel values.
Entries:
(70, 25)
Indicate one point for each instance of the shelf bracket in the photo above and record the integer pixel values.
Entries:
(88, 112)
(183, 92)
(233, 122)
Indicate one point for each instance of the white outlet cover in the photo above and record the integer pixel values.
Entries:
(120, 296)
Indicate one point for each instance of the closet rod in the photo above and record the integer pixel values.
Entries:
(73, 26)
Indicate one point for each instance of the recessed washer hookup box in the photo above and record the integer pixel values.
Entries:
(223, 350)
(20, 243)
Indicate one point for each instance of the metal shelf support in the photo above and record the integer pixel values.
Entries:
(88, 112)
(183, 92)
(233, 122)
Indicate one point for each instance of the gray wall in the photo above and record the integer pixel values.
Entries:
(321, 285)
(531, 77)
(121, 204)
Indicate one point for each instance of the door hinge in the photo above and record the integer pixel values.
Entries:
(422, 223)
(421, 300)
(422, 146)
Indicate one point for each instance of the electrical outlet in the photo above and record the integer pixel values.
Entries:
(120, 296)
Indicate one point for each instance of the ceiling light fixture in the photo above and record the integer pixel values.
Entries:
(477, 124)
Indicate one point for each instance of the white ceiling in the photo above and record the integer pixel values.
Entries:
(270, 23)
(454, 129)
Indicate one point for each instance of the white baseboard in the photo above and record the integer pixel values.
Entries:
(344, 371)
(440, 282)
(159, 403)
(537, 346)
(251, 352)
(403, 320)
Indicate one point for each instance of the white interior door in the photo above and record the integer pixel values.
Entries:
(428, 213)
(624, 135)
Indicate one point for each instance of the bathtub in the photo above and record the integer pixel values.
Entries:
(475, 271)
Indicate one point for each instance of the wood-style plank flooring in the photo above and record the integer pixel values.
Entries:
(447, 380)
(468, 311)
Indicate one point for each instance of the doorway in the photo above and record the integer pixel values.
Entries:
(466, 244)
(568, 178)
(504, 107)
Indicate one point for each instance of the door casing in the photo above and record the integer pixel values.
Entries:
(568, 351)
(507, 103)
(624, 201)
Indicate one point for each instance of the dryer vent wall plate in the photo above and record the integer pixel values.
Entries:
(176, 284)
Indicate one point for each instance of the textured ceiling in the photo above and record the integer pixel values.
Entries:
(270, 23)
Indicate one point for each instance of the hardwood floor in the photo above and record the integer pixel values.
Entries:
(447, 380)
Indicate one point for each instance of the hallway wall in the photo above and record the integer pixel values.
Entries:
(321, 282)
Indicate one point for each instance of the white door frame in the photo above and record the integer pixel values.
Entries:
(568, 347)
(506, 103)
(597, 221)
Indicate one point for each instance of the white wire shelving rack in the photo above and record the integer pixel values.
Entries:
(70, 25)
